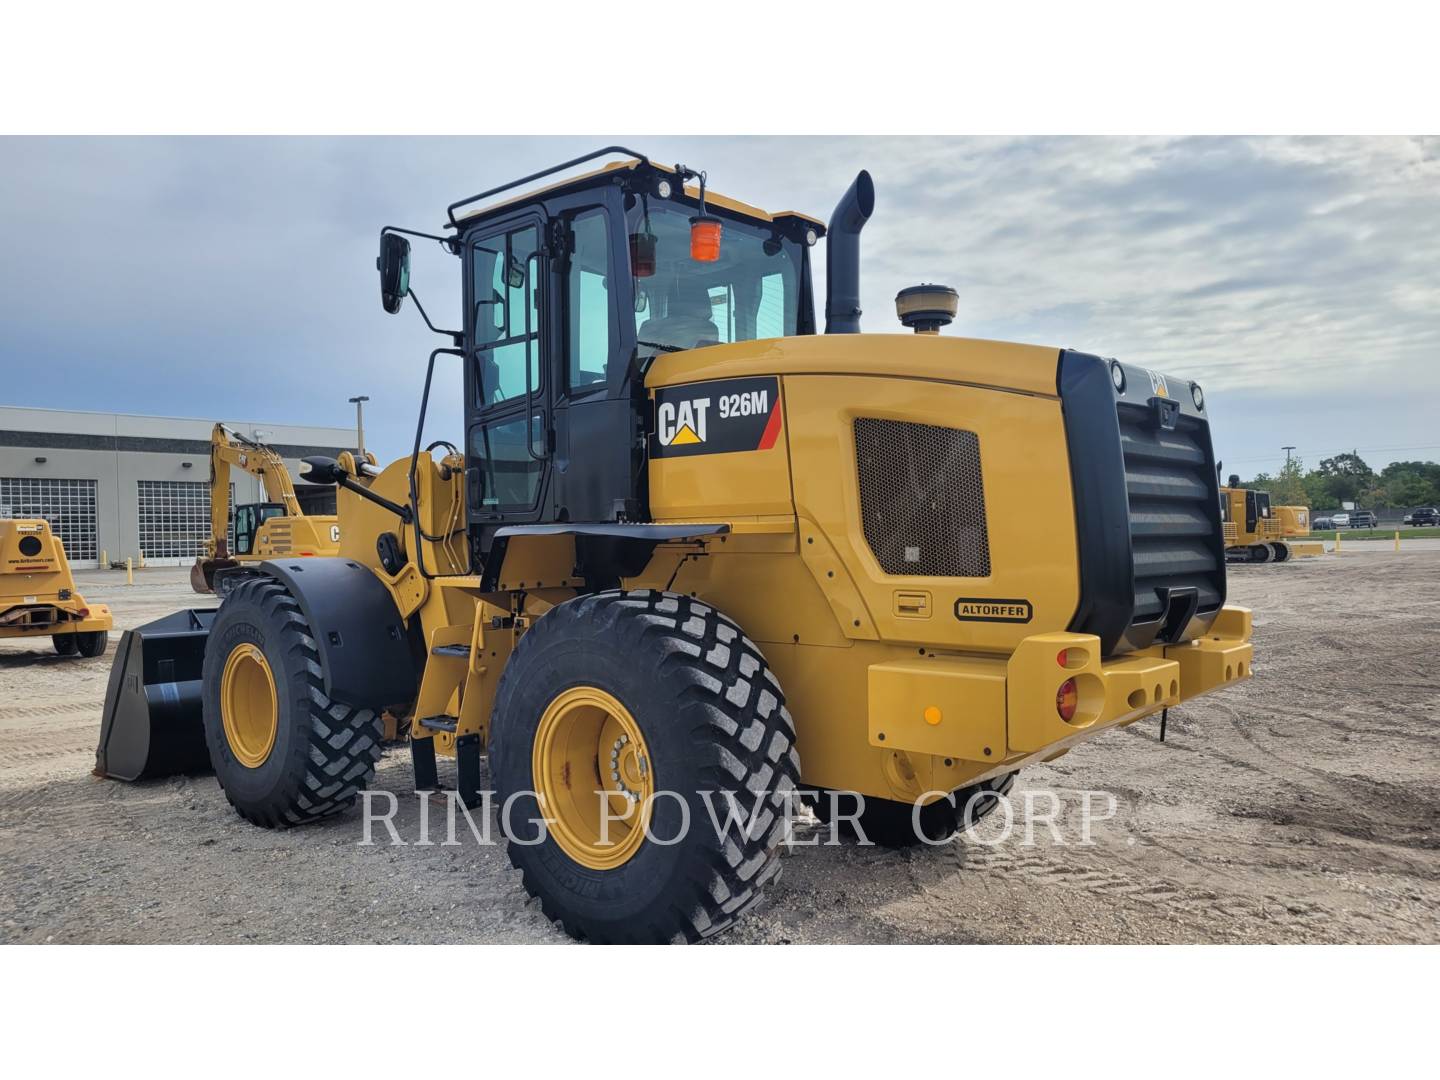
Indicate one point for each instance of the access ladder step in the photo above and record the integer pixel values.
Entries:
(439, 723)
(461, 651)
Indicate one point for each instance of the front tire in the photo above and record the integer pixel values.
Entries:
(284, 753)
(653, 701)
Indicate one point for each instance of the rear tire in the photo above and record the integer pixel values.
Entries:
(319, 754)
(711, 718)
(65, 644)
(92, 643)
(892, 824)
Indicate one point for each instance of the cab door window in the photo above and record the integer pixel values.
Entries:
(507, 314)
(588, 301)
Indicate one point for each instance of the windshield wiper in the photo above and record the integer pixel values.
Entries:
(658, 345)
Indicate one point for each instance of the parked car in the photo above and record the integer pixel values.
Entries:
(1408, 519)
(1340, 520)
(1425, 515)
(1362, 519)
(1319, 523)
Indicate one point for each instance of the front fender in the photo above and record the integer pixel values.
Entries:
(364, 651)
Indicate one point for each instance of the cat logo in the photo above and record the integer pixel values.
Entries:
(334, 534)
(1157, 383)
(723, 416)
(681, 423)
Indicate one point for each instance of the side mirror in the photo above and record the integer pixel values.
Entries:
(394, 267)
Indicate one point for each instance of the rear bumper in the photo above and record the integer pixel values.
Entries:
(992, 710)
(59, 619)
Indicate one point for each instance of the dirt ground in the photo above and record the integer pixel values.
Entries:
(1302, 806)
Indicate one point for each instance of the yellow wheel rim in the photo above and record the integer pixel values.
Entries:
(594, 776)
(249, 706)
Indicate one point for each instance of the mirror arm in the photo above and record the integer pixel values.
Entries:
(449, 243)
(454, 335)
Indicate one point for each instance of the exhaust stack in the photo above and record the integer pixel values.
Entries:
(842, 256)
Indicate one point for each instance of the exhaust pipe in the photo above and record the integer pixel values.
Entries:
(842, 256)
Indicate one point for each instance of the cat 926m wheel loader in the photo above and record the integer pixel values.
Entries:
(690, 546)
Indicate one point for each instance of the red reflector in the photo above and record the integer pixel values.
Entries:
(642, 254)
(1066, 699)
(1063, 658)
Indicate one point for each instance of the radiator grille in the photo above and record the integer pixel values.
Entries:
(1173, 499)
(922, 503)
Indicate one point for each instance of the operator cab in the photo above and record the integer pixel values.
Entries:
(570, 295)
(248, 519)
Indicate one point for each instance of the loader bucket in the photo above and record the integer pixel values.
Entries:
(153, 724)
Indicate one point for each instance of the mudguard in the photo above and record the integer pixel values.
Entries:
(358, 630)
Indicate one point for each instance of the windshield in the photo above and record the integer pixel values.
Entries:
(751, 291)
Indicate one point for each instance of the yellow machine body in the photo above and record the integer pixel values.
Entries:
(893, 695)
(1294, 527)
(1255, 531)
(37, 591)
(902, 566)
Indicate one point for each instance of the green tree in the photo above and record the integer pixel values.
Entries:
(1288, 488)
(1346, 476)
(1411, 483)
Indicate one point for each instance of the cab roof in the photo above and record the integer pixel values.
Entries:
(462, 220)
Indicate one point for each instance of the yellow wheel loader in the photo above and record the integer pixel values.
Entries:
(690, 555)
(38, 596)
(271, 529)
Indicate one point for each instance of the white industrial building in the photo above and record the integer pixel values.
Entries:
(137, 486)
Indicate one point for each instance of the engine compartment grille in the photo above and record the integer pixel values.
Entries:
(922, 500)
(1173, 499)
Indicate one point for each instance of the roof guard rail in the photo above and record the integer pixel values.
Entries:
(604, 152)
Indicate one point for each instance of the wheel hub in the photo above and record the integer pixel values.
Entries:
(249, 706)
(594, 777)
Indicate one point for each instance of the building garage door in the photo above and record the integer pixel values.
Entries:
(174, 518)
(68, 505)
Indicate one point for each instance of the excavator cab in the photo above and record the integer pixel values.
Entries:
(248, 519)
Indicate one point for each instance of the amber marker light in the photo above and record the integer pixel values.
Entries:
(932, 716)
(704, 238)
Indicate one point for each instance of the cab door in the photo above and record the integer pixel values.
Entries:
(508, 381)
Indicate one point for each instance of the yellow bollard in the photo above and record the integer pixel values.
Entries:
(142, 560)
(1397, 539)
(129, 570)
(104, 560)
(1337, 541)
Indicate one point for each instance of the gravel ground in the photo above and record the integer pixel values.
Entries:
(1302, 806)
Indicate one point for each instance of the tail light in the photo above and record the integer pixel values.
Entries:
(1066, 699)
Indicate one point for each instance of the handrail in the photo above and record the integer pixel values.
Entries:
(605, 152)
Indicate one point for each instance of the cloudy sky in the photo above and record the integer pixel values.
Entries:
(1297, 279)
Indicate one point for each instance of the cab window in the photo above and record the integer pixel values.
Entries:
(506, 271)
(510, 470)
(751, 291)
(588, 293)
